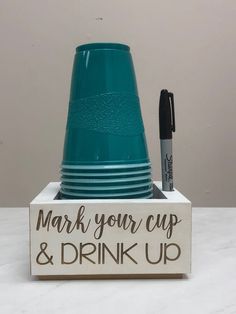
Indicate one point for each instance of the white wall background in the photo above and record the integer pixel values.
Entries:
(186, 46)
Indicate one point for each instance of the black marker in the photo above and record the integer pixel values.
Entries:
(167, 126)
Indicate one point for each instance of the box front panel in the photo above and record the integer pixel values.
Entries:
(108, 238)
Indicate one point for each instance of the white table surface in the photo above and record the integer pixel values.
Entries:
(211, 288)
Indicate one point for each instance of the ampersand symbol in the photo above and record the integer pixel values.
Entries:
(43, 247)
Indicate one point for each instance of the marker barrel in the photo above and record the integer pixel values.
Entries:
(167, 165)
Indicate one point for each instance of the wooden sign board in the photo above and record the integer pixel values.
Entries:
(110, 237)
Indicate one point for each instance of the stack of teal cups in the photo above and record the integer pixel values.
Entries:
(105, 151)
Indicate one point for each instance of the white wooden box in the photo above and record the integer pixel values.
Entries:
(110, 238)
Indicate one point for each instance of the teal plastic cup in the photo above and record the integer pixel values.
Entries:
(104, 124)
(104, 132)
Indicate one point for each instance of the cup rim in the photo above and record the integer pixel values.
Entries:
(148, 196)
(101, 188)
(97, 174)
(107, 195)
(115, 166)
(102, 46)
(92, 181)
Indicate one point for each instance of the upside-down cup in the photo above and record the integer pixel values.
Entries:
(104, 132)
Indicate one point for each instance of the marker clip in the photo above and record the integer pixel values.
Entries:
(171, 98)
